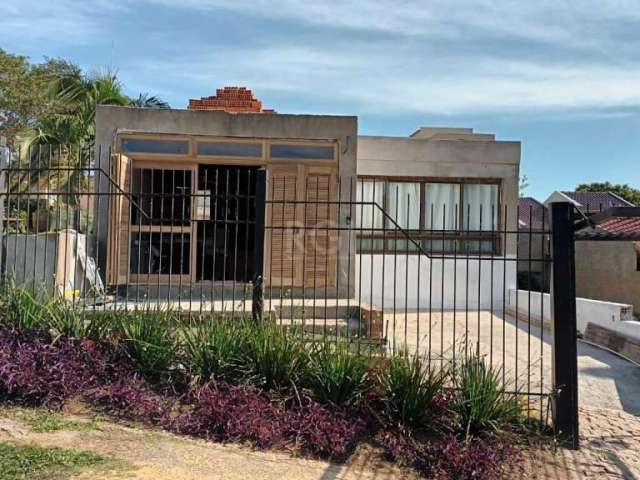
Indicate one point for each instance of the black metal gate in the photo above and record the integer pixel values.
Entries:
(343, 260)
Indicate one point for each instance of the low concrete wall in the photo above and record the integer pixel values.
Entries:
(50, 259)
(414, 281)
(617, 317)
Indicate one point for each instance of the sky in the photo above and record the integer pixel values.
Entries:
(562, 77)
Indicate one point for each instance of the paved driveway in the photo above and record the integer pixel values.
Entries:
(521, 350)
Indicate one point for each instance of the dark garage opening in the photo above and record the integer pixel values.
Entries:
(225, 215)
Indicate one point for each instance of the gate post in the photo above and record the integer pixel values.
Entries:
(563, 318)
(259, 231)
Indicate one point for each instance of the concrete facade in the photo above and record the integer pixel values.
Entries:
(608, 271)
(114, 121)
(441, 154)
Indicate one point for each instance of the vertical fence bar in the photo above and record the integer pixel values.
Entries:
(4, 163)
(261, 198)
(563, 314)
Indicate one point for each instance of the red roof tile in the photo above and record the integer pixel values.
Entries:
(621, 225)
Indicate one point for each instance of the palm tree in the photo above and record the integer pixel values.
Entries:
(71, 129)
(145, 100)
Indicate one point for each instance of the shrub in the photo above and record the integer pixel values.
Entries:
(274, 357)
(213, 348)
(481, 405)
(449, 458)
(336, 375)
(149, 341)
(411, 391)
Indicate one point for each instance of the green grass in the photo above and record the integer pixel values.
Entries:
(44, 421)
(53, 422)
(18, 462)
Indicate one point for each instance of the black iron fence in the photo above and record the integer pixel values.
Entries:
(386, 266)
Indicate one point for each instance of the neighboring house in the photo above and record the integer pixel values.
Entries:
(606, 269)
(533, 245)
(436, 180)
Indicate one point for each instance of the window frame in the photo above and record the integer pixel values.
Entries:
(187, 229)
(420, 235)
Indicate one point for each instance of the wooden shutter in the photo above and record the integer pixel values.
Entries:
(320, 219)
(119, 223)
(283, 246)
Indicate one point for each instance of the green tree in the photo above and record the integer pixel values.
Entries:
(24, 95)
(145, 100)
(625, 191)
(523, 185)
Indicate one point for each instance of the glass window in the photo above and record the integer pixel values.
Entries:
(452, 217)
(144, 145)
(441, 214)
(370, 218)
(301, 152)
(163, 195)
(480, 207)
(369, 215)
(480, 215)
(160, 253)
(403, 206)
(228, 149)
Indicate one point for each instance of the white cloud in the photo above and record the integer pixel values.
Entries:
(437, 56)
(375, 82)
(542, 20)
(39, 23)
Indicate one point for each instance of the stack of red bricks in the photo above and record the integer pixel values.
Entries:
(231, 100)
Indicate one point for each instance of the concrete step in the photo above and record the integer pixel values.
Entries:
(319, 311)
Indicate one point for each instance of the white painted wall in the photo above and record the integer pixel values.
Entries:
(611, 315)
(436, 280)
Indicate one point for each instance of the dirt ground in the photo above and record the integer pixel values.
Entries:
(145, 454)
(610, 442)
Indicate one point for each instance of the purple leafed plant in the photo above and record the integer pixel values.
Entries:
(131, 399)
(450, 458)
(326, 432)
(35, 372)
(233, 413)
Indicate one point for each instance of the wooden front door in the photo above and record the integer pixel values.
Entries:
(301, 236)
